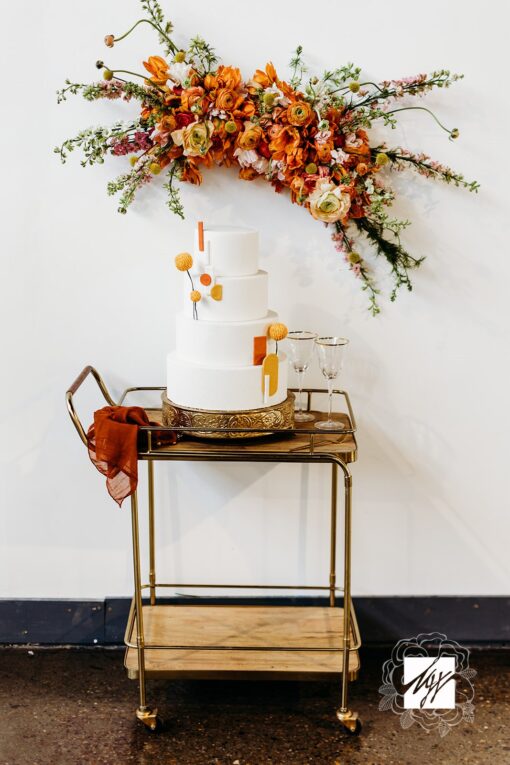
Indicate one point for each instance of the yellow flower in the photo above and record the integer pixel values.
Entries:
(195, 138)
(328, 202)
(183, 261)
(381, 159)
(195, 296)
(107, 74)
(278, 332)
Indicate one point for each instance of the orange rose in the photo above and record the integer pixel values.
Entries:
(190, 97)
(225, 99)
(251, 136)
(158, 67)
(299, 113)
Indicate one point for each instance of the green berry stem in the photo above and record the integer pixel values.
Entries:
(452, 133)
(154, 26)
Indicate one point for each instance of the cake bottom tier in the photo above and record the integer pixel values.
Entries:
(224, 389)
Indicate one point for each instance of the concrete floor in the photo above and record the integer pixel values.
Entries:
(70, 707)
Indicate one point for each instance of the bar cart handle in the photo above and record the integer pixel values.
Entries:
(74, 388)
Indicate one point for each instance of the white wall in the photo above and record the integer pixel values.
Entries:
(82, 284)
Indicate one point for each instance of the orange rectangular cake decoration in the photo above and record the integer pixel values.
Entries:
(259, 349)
(201, 235)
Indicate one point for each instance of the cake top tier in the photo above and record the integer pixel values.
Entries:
(228, 251)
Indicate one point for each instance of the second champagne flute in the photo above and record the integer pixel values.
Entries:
(301, 346)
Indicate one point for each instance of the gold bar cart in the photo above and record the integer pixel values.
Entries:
(230, 641)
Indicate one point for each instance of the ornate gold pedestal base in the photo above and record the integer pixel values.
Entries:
(280, 416)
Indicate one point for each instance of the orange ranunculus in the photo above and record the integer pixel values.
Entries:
(284, 143)
(297, 189)
(295, 158)
(229, 77)
(190, 97)
(210, 82)
(324, 149)
(191, 174)
(250, 137)
(299, 113)
(362, 168)
(158, 67)
(248, 109)
(248, 174)
(266, 79)
(225, 99)
(166, 124)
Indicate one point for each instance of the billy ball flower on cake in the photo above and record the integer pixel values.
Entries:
(328, 202)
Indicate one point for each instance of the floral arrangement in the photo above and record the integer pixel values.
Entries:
(305, 136)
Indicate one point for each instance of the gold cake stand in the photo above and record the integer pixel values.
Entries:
(245, 423)
(229, 641)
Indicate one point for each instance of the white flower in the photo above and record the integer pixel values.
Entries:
(179, 71)
(322, 136)
(352, 141)
(339, 156)
(260, 165)
(246, 157)
(276, 167)
(250, 158)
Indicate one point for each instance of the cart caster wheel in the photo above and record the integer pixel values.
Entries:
(350, 722)
(150, 718)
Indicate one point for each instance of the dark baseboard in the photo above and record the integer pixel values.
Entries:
(382, 620)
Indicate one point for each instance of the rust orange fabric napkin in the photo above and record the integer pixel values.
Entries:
(113, 447)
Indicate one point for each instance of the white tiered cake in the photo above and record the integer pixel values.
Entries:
(224, 359)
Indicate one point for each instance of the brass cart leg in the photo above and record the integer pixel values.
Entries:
(332, 556)
(347, 717)
(152, 551)
(148, 716)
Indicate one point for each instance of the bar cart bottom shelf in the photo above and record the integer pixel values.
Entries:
(249, 642)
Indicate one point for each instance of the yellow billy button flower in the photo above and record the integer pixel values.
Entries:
(155, 168)
(268, 100)
(381, 159)
(354, 86)
(230, 126)
(195, 296)
(179, 57)
(133, 160)
(454, 133)
(107, 74)
(183, 261)
(354, 258)
(278, 332)
(311, 168)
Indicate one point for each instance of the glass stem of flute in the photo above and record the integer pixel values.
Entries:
(330, 398)
(300, 380)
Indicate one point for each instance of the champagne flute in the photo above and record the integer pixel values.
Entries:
(301, 345)
(331, 353)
